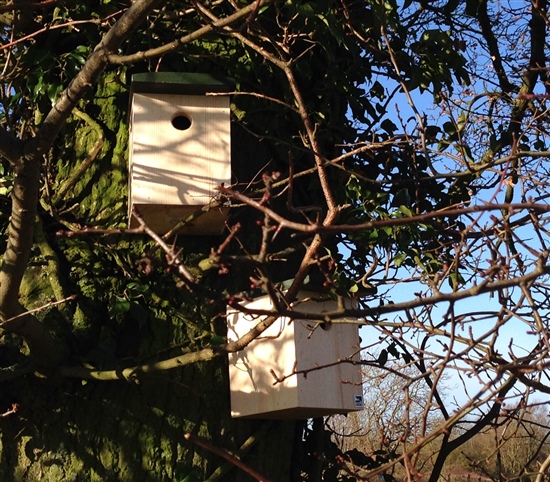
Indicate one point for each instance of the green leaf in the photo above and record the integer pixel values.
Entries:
(137, 288)
(53, 92)
(306, 9)
(432, 132)
(401, 198)
(399, 258)
(388, 126)
(217, 340)
(455, 280)
(462, 120)
(121, 305)
(406, 211)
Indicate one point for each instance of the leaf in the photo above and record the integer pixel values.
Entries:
(462, 120)
(216, 340)
(455, 280)
(432, 132)
(388, 126)
(121, 305)
(393, 350)
(185, 474)
(402, 197)
(306, 9)
(377, 90)
(406, 211)
(353, 288)
(382, 358)
(53, 92)
(137, 288)
(399, 258)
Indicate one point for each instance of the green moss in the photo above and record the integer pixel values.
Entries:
(106, 204)
(107, 456)
(99, 193)
(120, 152)
(147, 440)
(55, 472)
(36, 289)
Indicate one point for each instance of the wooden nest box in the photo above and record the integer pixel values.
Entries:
(180, 144)
(288, 346)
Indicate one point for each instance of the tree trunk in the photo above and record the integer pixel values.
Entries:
(74, 430)
(121, 432)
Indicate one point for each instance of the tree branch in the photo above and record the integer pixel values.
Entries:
(11, 148)
(179, 43)
(348, 228)
(26, 185)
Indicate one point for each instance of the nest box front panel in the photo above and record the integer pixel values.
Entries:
(180, 148)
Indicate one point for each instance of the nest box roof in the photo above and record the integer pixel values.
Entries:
(180, 83)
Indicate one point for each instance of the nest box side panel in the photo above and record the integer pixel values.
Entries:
(337, 388)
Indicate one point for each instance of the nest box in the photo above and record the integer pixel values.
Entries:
(180, 144)
(288, 346)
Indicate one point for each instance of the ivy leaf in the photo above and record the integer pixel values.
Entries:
(393, 350)
(119, 306)
(406, 211)
(382, 358)
(216, 340)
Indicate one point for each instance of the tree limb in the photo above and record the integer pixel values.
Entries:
(179, 43)
(27, 161)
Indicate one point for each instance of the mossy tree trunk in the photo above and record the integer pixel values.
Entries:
(74, 430)
(120, 432)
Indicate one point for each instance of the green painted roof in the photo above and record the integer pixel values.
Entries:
(180, 83)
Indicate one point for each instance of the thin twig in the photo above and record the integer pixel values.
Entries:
(41, 308)
(172, 257)
(10, 411)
